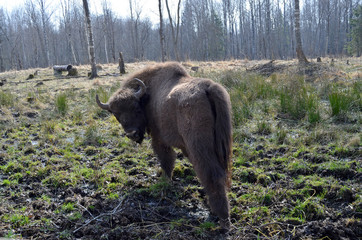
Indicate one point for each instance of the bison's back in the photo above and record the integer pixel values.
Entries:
(196, 112)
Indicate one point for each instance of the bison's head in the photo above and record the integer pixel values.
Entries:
(127, 106)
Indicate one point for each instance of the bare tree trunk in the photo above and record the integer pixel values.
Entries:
(65, 4)
(269, 48)
(225, 7)
(174, 35)
(162, 36)
(241, 28)
(45, 35)
(134, 28)
(90, 40)
(122, 69)
(2, 67)
(300, 54)
(105, 47)
(253, 40)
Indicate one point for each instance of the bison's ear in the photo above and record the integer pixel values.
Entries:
(141, 88)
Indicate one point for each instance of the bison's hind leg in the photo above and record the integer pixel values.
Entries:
(213, 177)
(218, 200)
(167, 156)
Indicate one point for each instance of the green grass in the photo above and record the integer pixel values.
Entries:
(308, 210)
(61, 103)
(6, 98)
(264, 128)
(92, 135)
(68, 207)
(344, 100)
(340, 103)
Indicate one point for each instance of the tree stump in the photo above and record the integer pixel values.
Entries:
(31, 76)
(73, 72)
(122, 69)
(195, 69)
(2, 82)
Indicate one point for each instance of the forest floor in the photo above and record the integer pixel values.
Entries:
(67, 171)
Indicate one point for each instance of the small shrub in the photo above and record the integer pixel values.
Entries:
(77, 116)
(293, 103)
(339, 103)
(297, 100)
(264, 128)
(281, 136)
(61, 103)
(6, 99)
(313, 112)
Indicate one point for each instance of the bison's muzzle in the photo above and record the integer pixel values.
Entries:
(135, 135)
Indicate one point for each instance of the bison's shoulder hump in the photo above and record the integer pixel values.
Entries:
(177, 68)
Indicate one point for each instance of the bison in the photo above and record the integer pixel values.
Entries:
(177, 110)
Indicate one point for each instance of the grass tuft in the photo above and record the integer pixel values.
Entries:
(61, 103)
(6, 98)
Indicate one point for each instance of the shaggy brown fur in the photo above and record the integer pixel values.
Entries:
(180, 111)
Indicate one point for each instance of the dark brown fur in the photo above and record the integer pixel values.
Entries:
(180, 111)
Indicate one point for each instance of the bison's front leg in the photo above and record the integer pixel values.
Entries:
(166, 155)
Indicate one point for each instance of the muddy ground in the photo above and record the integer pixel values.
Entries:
(72, 174)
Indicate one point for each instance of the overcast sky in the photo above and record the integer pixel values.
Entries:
(120, 7)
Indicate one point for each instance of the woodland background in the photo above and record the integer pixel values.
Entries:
(42, 33)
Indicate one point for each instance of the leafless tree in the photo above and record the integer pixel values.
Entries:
(162, 36)
(300, 54)
(68, 27)
(90, 40)
(32, 36)
(109, 31)
(44, 19)
(175, 33)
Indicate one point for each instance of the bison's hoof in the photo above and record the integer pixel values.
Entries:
(225, 225)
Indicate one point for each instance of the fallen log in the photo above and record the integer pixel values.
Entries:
(62, 68)
(58, 69)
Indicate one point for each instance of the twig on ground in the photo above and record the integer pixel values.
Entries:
(115, 210)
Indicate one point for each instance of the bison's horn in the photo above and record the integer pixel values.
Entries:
(141, 90)
(102, 105)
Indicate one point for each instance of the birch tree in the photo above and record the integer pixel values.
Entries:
(162, 36)
(91, 52)
(300, 54)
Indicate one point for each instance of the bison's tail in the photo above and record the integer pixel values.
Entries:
(220, 102)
